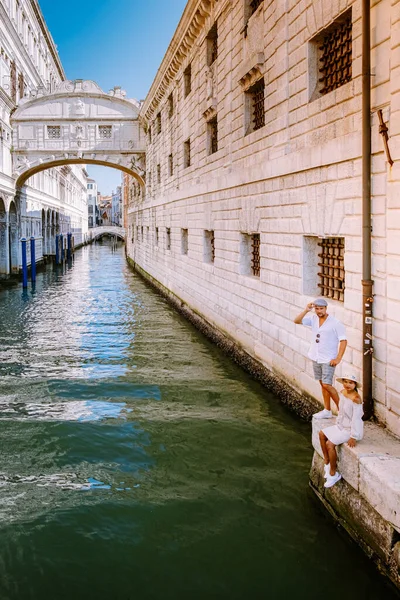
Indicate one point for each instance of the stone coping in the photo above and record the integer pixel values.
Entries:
(372, 468)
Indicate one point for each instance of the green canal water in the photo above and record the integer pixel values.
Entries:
(137, 461)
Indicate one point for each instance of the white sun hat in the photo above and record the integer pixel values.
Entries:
(349, 377)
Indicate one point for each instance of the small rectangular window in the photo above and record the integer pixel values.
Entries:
(168, 238)
(142, 233)
(187, 80)
(331, 57)
(159, 123)
(209, 246)
(158, 173)
(186, 154)
(331, 268)
(53, 132)
(149, 132)
(148, 235)
(157, 237)
(250, 254)
(105, 132)
(170, 165)
(184, 241)
(212, 45)
(170, 105)
(255, 107)
(212, 130)
(253, 5)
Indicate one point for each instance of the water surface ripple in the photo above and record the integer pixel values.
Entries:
(139, 462)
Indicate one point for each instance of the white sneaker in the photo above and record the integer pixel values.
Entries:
(332, 479)
(323, 414)
(326, 470)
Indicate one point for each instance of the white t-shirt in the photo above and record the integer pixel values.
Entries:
(329, 335)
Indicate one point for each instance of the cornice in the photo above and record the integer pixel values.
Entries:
(187, 33)
(6, 99)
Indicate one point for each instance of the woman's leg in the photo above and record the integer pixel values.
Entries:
(332, 456)
(323, 439)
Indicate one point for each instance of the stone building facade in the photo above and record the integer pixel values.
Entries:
(253, 206)
(254, 172)
(53, 201)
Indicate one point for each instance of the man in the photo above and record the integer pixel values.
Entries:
(326, 350)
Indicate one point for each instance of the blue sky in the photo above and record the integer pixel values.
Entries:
(113, 42)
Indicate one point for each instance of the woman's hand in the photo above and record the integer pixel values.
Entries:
(351, 443)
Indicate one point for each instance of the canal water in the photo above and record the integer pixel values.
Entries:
(137, 461)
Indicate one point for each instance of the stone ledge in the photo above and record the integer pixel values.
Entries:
(372, 468)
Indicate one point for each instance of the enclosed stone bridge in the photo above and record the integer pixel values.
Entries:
(77, 124)
(112, 230)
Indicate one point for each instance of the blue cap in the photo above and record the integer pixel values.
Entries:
(320, 302)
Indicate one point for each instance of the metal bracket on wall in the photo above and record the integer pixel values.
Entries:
(383, 130)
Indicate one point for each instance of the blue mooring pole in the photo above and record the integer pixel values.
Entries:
(69, 249)
(33, 260)
(57, 249)
(24, 264)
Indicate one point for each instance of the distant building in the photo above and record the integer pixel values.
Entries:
(92, 203)
(116, 208)
(105, 210)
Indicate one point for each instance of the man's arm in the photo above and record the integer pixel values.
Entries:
(342, 348)
(301, 316)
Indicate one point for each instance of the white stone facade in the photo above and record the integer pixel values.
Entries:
(294, 181)
(53, 200)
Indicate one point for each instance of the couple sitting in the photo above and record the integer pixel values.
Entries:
(326, 352)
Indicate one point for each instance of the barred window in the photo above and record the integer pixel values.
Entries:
(184, 241)
(186, 154)
(255, 254)
(157, 236)
(250, 254)
(53, 132)
(149, 132)
(158, 173)
(212, 128)
(170, 105)
(209, 246)
(168, 238)
(142, 232)
(159, 123)
(255, 107)
(212, 45)
(331, 268)
(105, 132)
(331, 56)
(170, 165)
(187, 80)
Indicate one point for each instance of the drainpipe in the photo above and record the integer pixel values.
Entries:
(366, 212)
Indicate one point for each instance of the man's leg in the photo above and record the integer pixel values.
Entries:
(331, 392)
(326, 396)
(327, 384)
(323, 439)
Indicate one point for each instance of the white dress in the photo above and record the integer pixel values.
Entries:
(349, 423)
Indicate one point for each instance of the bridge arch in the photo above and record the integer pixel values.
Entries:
(78, 124)
(98, 232)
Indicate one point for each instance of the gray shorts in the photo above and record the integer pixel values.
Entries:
(323, 372)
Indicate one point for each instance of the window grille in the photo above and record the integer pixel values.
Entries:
(254, 4)
(142, 232)
(187, 79)
(170, 105)
(157, 236)
(149, 135)
(170, 165)
(331, 274)
(255, 254)
(158, 173)
(53, 132)
(336, 55)
(213, 135)
(186, 154)
(159, 123)
(258, 109)
(212, 45)
(168, 238)
(209, 254)
(105, 132)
